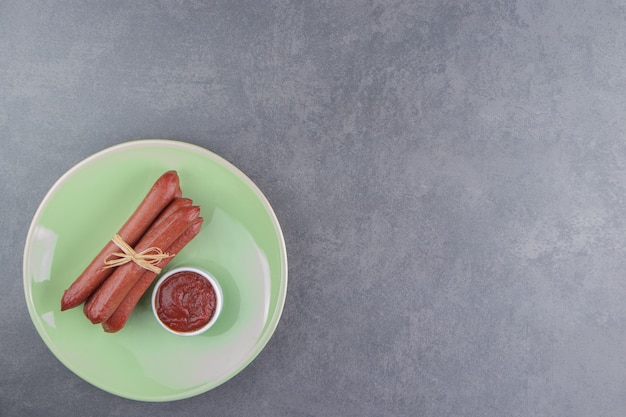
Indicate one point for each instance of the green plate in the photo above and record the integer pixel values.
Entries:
(241, 244)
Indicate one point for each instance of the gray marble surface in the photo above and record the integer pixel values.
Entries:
(450, 177)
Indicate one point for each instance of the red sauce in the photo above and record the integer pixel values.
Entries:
(186, 301)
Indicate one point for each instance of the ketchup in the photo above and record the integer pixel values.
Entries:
(186, 301)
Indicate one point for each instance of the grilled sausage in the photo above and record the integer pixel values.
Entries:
(164, 190)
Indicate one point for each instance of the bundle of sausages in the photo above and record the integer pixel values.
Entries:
(164, 220)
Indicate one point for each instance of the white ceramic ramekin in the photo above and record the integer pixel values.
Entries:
(218, 295)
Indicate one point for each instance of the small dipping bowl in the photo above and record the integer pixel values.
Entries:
(187, 301)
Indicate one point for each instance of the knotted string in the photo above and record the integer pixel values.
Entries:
(147, 258)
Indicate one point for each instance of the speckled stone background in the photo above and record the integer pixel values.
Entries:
(450, 177)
